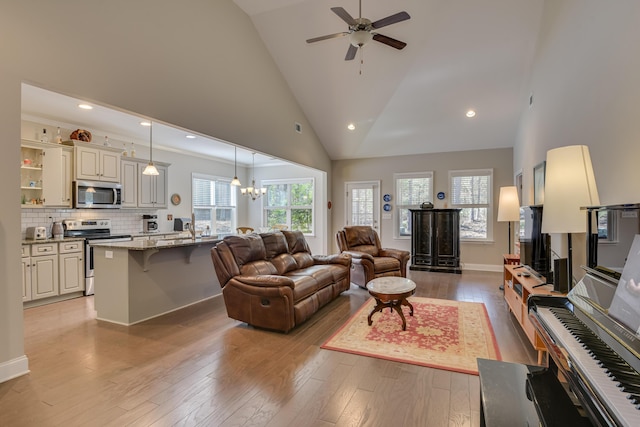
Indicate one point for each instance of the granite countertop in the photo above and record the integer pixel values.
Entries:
(51, 240)
(142, 245)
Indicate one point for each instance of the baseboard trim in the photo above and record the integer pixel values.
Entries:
(483, 267)
(14, 368)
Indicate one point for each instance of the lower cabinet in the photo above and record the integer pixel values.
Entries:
(52, 269)
(71, 265)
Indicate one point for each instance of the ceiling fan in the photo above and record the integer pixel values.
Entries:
(362, 30)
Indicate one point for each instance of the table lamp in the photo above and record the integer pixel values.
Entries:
(569, 186)
(508, 208)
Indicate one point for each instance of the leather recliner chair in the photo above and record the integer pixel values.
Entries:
(369, 259)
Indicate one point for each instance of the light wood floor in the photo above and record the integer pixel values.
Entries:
(196, 367)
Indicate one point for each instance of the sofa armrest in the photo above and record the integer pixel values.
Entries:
(358, 256)
(395, 253)
(343, 259)
(265, 281)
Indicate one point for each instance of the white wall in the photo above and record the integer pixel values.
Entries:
(199, 65)
(585, 91)
(486, 255)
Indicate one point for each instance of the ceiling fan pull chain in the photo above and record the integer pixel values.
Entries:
(361, 59)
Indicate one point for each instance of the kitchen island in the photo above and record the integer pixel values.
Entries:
(139, 280)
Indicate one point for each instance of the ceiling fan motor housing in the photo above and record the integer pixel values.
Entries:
(360, 34)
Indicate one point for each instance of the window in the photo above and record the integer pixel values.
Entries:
(213, 203)
(289, 202)
(412, 189)
(471, 192)
(607, 225)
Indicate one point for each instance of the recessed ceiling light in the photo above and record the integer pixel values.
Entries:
(145, 123)
(85, 106)
(351, 126)
(471, 113)
(191, 136)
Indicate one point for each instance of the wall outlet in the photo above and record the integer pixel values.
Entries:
(108, 254)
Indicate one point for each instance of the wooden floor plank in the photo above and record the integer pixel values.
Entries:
(198, 367)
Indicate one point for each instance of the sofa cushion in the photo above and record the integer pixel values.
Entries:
(274, 243)
(303, 259)
(284, 263)
(246, 248)
(257, 268)
(361, 239)
(296, 242)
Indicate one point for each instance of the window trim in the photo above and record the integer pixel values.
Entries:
(489, 206)
(233, 193)
(266, 182)
(396, 211)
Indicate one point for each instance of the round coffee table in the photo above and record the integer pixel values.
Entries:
(391, 292)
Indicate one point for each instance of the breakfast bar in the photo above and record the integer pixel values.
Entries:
(139, 280)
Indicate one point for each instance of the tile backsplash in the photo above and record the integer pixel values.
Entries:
(123, 221)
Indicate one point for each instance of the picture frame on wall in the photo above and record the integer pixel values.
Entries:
(538, 183)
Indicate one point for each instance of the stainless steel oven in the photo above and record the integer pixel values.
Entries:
(97, 195)
(93, 231)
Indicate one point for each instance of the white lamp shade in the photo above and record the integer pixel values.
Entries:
(360, 38)
(569, 185)
(508, 204)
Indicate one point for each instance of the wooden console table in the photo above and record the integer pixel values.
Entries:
(517, 289)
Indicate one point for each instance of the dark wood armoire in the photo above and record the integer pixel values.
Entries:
(435, 240)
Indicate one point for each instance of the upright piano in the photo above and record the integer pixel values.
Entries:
(593, 373)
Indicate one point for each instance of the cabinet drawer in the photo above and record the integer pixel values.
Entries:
(68, 247)
(24, 251)
(44, 249)
(417, 260)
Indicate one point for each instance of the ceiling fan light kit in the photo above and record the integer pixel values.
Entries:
(361, 31)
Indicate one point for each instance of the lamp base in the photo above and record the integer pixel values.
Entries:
(560, 278)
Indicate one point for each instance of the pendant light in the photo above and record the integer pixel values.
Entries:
(150, 169)
(252, 191)
(235, 181)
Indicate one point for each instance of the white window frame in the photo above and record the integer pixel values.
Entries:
(397, 234)
(265, 183)
(489, 206)
(612, 226)
(234, 199)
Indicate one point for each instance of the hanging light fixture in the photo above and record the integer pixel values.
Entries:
(150, 169)
(235, 180)
(252, 191)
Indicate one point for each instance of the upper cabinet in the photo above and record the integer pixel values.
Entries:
(144, 191)
(45, 174)
(97, 163)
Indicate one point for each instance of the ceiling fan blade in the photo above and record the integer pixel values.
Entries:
(329, 36)
(344, 15)
(392, 19)
(351, 53)
(389, 41)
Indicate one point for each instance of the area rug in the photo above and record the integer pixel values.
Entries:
(441, 334)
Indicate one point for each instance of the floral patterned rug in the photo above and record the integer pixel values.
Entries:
(441, 334)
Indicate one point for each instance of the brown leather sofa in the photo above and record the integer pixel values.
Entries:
(272, 281)
(369, 259)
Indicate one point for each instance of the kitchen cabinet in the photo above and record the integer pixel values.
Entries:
(435, 240)
(26, 273)
(45, 175)
(129, 181)
(97, 163)
(44, 270)
(71, 267)
(152, 189)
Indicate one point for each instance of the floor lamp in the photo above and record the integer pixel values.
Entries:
(569, 187)
(508, 208)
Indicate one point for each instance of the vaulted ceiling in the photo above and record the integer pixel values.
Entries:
(460, 55)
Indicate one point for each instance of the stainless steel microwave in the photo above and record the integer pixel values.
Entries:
(97, 195)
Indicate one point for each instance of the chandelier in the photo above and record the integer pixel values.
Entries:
(252, 191)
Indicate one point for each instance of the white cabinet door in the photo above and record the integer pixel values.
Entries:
(26, 279)
(52, 173)
(87, 163)
(129, 173)
(44, 276)
(67, 177)
(109, 166)
(71, 272)
(152, 190)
